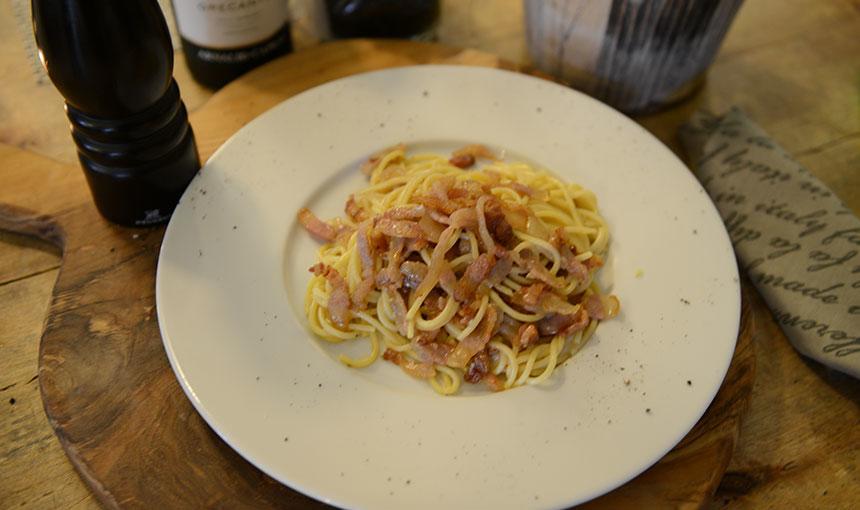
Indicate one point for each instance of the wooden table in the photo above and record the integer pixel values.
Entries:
(791, 64)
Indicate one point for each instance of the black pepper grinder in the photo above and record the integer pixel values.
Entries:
(113, 63)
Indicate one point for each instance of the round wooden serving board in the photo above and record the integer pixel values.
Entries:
(107, 388)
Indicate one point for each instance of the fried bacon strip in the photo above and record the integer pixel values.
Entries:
(316, 226)
(410, 366)
(466, 156)
(413, 273)
(462, 161)
(399, 228)
(429, 350)
(475, 274)
(483, 231)
(406, 212)
(478, 367)
(538, 271)
(538, 298)
(529, 296)
(398, 306)
(390, 274)
(497, 222)
(493, 382)
(368, 273)
(601, 307)
(447, 195)
(569, 262)
(526, 336)
(475, 342)
(338, 301)
(555, 323)
(509, 328)
(354, 211)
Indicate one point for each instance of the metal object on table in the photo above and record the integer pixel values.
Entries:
(637, 56)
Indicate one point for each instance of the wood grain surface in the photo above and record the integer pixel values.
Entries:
(107, 388)
(791, 64)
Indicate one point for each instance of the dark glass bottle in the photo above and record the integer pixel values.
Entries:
(222, 39)
(113, 63)
(381, 18)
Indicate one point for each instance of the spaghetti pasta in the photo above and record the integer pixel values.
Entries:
(453, 273)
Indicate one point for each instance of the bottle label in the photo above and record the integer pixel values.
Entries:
(256, 52)
(222, 24)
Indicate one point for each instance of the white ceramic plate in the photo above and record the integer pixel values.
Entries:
(233, 270)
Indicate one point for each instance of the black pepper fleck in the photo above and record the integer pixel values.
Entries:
(235, 227)
(689, 383)
(408, 482)
(319, 385)
(425, 93)
(12, 401)
(112, 250)
(648, 410)
(286, 439)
